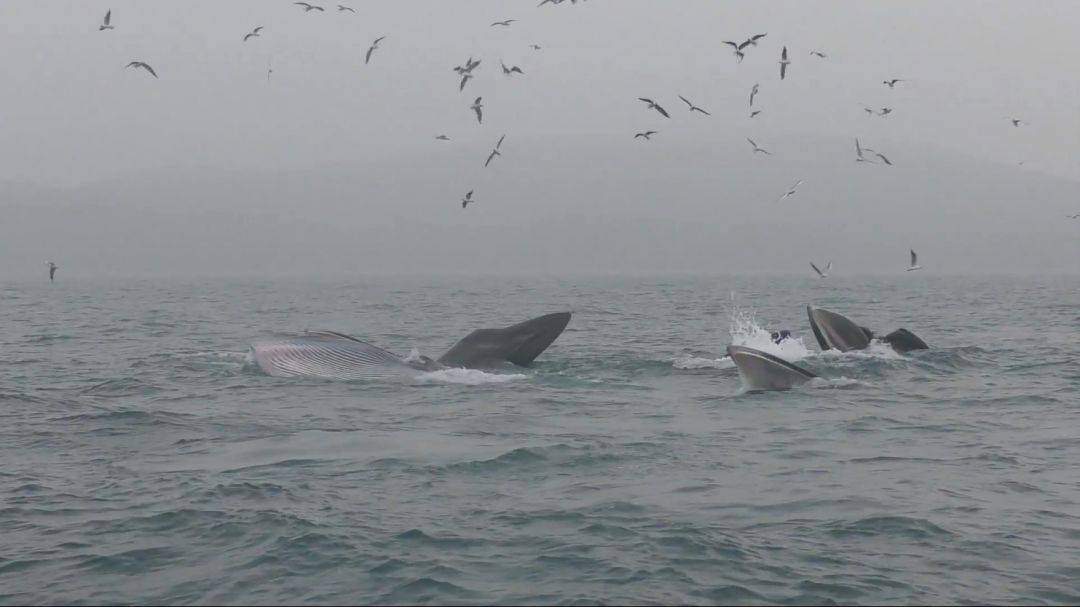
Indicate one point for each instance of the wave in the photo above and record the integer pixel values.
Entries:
(467, 377)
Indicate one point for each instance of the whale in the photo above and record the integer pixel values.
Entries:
(762, 371)
(835, 331)
(333, 355)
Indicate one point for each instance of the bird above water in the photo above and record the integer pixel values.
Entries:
(646, 135)
(509, 71)
(758, 149)
(820, 273)
(655, 106)
(254, 33)
(738, 49)
(145, 66)
(107, 23)
(52, 270)
(374, 45)
(693, 108)
(753, 92)
(342, 8)
(885, 111)
(504, 23)
(891, 83)
(818, 54)
(791, 191)
(914, 262)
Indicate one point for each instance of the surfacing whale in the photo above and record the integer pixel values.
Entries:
(835, 331)
(763, 371)
(337, 356)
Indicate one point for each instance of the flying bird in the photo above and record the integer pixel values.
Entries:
(509, 71)
(1016, 121)
(885, 111)
(824, 274)
(791, 191)
(752, 40)
(493, 154)
(468, 198)
(753, 92)
(138, 64)
(476, 107)
(891, 83)
(757, 149)
(309, 7)
(254, 33)
(1073, 216)
(469, 66)
(342, 8)
(442, 138)
(646, 135)
(869, 111)
(52, 270)
(818, 54)
(738, 49)
(693, 108)
(106, 25)
(374, 45)
(783, 62)
(504, 23)
(914, 262)
(754, 113)
(655, 106)
(534, 47)
(269, 70)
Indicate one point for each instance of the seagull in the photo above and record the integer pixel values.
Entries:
(646, 135)
(914, 262)
(1073, 216)
(504, 23)
(752, 40)
(869, 111)
(309, 7)
(468, 198)
(1016, 121)
(493, 154)
(144, 66)
(374, 45)
(818, 54)
(859, 152)
(342, 8)
(885, 111)
(783, 62)
(693, 108)
(891, 83)
(534, 47)
(476, 107)
(108, 19)
(757, 149)
(254, 33)
(738, 49)
(269, 70)
(753, 92)
(52, 270)
(791, 191)
(754, 113)
(655, 106)
(442, 138)
(824, 274)
(509, 71)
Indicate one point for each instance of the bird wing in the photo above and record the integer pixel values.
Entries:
(497, 145)
(369, 51)
(757, 37)
(882, 156)
(479, 114)
(149, 69)
(828, 266)
(649, 101)
(817, 270)
(753, 92)
(464, 79)
(783, 54)
(700, 110)
(687, 102)
(858, 148)
(745, 44)
(108, 17)
(380, 39)
(733, 44)
(248, 36)
(914, 257)
(516, 69)
(490, 156)
(783, 70)
(752, 143)
(257, 30)
(662, 111)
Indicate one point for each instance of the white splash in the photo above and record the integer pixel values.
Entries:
(834, 382)
(746, 332)
(413, 357)
(877, 349)
(698, 362)
(468, 377)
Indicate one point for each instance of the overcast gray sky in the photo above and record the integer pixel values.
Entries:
(348, 151)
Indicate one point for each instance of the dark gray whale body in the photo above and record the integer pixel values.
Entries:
(334, 355)
(835, 331)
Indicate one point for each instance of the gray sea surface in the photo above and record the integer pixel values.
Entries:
(146, 460)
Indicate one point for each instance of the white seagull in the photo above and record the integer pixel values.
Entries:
(309, 7)
(374, 45)
(504, 23)
(914, 262)
(645, 135)
(145, 66)
(693, 108)
(818, 54)
(892, 83)
(824, 274)
(655, 106)
(791, 191)
(342, 8)
(757, 149)
(254, 33)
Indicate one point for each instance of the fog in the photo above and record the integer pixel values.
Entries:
(330, 166)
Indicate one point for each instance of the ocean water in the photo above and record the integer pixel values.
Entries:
(146, 461)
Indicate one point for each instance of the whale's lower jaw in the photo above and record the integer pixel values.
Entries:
(763, 371)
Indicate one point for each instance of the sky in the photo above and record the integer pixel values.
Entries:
(331, 166)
